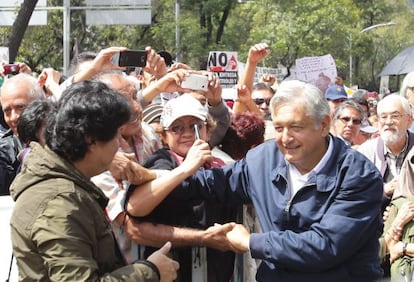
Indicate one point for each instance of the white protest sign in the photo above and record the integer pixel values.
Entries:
(225, 64)
(320, 71)
(4, 54)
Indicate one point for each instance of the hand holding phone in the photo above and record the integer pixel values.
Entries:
(195, 82)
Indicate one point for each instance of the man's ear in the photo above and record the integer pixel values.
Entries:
(90, 141)
(326, 124)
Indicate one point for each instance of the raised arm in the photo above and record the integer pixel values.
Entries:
(147, 196)
(256, 54)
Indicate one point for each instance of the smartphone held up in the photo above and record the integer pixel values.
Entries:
(195, 82)
(130, 58)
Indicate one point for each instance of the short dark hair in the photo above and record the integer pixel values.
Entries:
(31, 120)
(263, 86)
(80, 58)
(86, 109)
(245, 132)
(348, 104)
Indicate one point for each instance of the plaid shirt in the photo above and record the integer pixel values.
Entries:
(394, 162)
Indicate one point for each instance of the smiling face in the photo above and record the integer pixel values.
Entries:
(180, 136)
(14, 99)
(393, 122)
(301, 141)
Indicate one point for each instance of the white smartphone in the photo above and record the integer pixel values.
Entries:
(195, 82)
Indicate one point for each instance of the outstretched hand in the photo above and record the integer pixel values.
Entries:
(216, 237)
(239, 238)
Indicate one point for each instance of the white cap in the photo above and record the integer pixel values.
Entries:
(183, 105)
(365, 127)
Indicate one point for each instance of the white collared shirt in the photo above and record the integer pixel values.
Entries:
(296, 180)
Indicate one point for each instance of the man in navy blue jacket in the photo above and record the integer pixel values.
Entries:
(318, 202)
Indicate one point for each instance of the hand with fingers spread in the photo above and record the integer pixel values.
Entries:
(155, 63)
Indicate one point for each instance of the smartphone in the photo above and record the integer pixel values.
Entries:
(130, 58)
(197, 132)
(195, 82)
(11, 69)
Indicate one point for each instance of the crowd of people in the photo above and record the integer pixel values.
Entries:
(123, 174)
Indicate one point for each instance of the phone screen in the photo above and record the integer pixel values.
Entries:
(133, 58)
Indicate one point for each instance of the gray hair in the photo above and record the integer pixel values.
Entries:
(36, 92)
(407, 82)
(299, 92)
(349, 104)
(395, 97)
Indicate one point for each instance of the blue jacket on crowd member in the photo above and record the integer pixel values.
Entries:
(328, 231)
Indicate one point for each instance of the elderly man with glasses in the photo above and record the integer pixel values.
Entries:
(389, 150)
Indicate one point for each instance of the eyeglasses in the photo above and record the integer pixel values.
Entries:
(355, 121)
(372, 103)
(394, 117)
(259, 101)
(180, 128)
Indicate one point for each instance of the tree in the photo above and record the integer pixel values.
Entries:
(19, 27)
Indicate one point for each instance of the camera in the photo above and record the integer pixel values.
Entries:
(11, 69)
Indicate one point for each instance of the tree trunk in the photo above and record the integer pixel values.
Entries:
(19, 27)
(223, 20)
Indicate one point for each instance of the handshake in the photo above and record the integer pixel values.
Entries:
(227, 237)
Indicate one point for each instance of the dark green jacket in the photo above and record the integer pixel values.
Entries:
(59, 229)
(403, 267)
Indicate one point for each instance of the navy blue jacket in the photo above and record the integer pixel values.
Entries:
(328, 232)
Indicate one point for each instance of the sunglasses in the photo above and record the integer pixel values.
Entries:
(180, 128)
(348, 119)
(260, 101)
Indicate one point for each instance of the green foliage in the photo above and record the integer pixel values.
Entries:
(293, 29)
